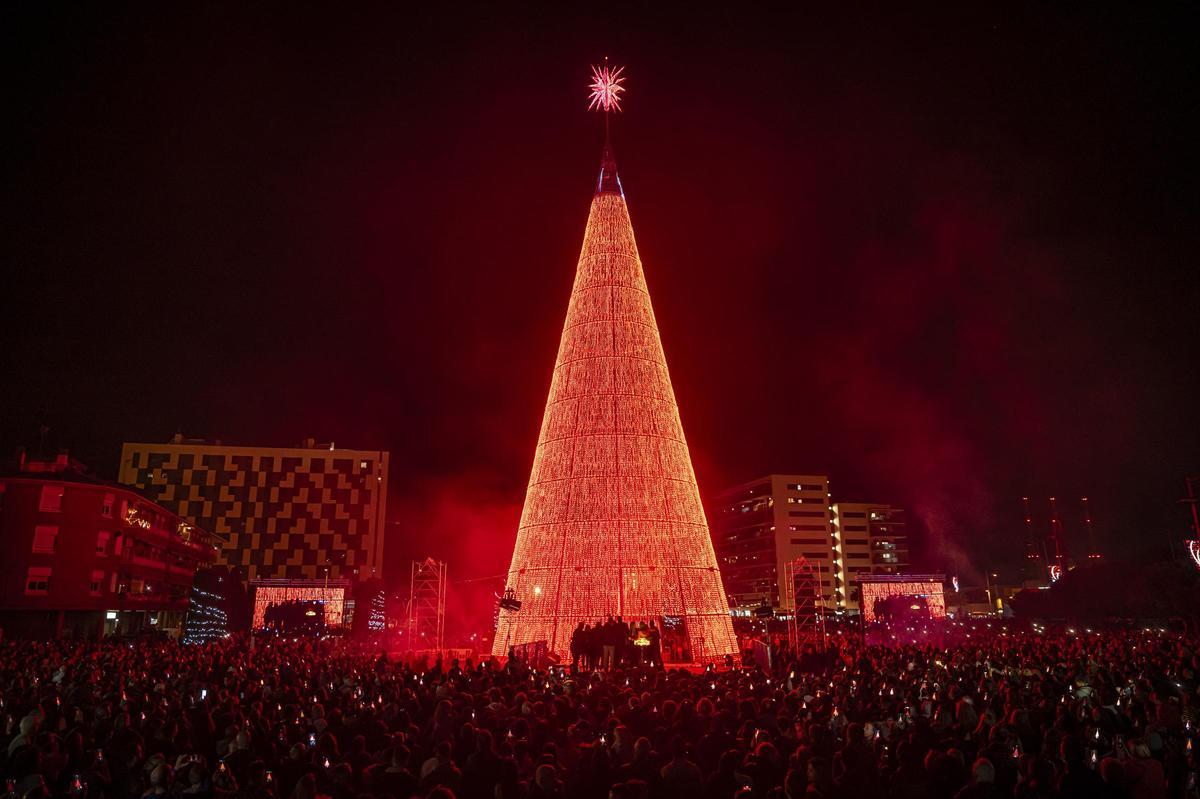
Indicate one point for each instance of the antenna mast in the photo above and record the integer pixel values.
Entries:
(1093, 552)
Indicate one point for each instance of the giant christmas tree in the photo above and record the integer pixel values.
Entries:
(612, 522)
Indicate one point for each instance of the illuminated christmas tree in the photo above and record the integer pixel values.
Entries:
(612, 522)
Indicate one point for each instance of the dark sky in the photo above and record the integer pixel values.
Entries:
(946, 257)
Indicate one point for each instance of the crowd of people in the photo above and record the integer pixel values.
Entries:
(611, 643)
(1030, 715)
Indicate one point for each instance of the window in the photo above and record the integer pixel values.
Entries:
(44, 537)
(37, 581)
(816, 555)
(102, 543)
(51, 501)
(820, 514)
(97, 583)
(798, 527)
(857, 555)
(854, 515)
(810, 541)
(804, 487)
(855, 528)
(106, 507)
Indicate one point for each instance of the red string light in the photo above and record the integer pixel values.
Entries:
(612, 522)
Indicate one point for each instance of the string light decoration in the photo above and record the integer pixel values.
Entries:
(334, 600)
(612, 521)
(134, 519)
(206, 617)
(875, 587)
(376, 615)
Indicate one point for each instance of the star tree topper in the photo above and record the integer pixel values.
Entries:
(606, 88)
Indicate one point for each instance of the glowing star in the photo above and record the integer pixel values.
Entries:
(1055, 573)
(1194, 551)
(606, 88)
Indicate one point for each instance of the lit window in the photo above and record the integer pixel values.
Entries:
(106, 508)
(44, 537)
(97, 583)
(102, 543)
(37, 581)
(51, 501)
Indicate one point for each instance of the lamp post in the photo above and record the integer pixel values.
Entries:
(994, 600)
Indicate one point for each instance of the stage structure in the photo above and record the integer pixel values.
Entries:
(612, 521)
(427, 605)
(928, 589)
(804, 596)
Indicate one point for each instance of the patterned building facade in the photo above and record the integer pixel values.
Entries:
(281, 513)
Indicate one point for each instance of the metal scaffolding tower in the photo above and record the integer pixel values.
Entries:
(427, 605)
(802, 595)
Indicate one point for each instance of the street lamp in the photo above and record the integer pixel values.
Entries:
(994, 601)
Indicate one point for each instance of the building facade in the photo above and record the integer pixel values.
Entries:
(869, 538)
(760, 526)
(84, 557)
(305, 513)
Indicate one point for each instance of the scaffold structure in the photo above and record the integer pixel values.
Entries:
(427, 605)
(803, 598)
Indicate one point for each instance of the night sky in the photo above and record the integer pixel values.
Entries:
(947, 258)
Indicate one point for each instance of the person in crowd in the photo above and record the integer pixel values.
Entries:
(983, 782)
(1040, 714)
(577, 644)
